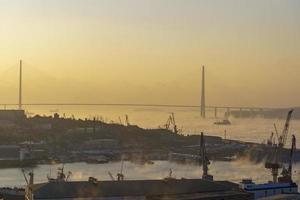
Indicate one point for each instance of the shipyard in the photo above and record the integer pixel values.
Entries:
(149, 100)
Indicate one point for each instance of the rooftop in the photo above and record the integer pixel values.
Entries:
(85, 189)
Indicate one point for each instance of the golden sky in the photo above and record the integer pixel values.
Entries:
(151, 51)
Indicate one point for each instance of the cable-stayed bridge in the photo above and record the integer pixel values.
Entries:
(202, 107)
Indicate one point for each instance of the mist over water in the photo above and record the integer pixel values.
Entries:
(187, 119)
(233, 171)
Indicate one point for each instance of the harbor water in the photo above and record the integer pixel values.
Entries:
(187, 119)
(233, 171)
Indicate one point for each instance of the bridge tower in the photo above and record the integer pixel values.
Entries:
(20, 87)
(203, 94)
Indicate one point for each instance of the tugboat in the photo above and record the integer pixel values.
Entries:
(280, 185)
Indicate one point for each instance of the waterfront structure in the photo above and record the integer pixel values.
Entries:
(269, 189)
(168, 188)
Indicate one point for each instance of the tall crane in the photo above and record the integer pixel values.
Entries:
(287, 172)
(171, 121)
(275, 165)
(174, 124)
(111, 176)
(120, 175)
(25, 177)
(293, 149)
(204, 160)
(127, 120)
(270, 140)
(282, 138)
(276, 131)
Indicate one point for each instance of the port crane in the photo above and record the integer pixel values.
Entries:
(30, 181)
(25, 177)
(276, 131)
(171, 121)
(204, 159)
(120, 176)
(287, 172)
(120, 120)
(111, 176)
(270, 141)
(276, 165)
(282, 138)
(127, 120)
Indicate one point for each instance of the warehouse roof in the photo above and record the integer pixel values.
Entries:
(84, 189)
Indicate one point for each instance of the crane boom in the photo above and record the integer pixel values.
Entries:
(276, 131)
(23, 172)
(171, 121)
(284, 134)
(174, 123)
(111, 176)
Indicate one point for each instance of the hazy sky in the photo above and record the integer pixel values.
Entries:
(151, 51)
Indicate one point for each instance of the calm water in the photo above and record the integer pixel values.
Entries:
(187, 119)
